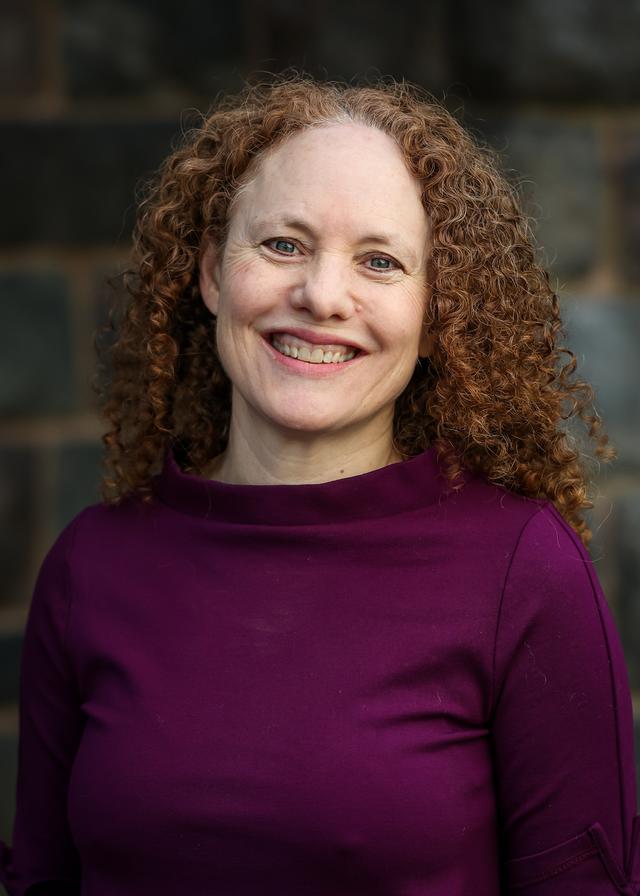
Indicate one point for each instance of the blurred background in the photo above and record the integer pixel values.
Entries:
(92, 93)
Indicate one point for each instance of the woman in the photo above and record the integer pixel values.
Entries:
(333, 629)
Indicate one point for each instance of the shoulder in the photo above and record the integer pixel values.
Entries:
(528, 539)
(96, 528)
(60, 549)
(489, 515)
(548, 549)
(533, 525)
(552, 582)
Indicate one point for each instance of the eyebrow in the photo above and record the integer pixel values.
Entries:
(382, 239)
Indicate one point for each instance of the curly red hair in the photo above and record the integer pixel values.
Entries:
(494, 395)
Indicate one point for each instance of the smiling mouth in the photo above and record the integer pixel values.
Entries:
(292, 347)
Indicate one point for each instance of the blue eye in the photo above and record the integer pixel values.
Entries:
(282, 242)
(279, 244)
(388, 261)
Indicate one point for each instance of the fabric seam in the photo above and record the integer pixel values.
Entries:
(590, 573)
(492, 700)
(556, 869)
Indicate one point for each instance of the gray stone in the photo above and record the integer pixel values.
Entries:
(17, 502)
(559, 175)
(20, 48)
(10, 652)
(151, 47)
(74, 183)
(365, 38)
(36, 362)
(626, 178)
(602, 548)
(78, 481)
(625, 525)
(604, 336)
(636, 735)
(159, 47)
(574, 50)
(110, 298)
(8, 777)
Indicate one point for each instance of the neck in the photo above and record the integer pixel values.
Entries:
(262, 455)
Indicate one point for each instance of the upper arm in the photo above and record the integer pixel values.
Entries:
(50, 727)
(562, 725)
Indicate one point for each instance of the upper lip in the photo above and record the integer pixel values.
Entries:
(316, 338)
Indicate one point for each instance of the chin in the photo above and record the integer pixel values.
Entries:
(303, 423)
(304, 426)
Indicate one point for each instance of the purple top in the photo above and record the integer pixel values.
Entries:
(367, 686)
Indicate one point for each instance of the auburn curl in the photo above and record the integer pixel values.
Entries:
(495, 396)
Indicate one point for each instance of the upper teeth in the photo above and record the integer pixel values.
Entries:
(306, 351)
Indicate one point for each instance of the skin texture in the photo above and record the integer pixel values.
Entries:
(346, 181)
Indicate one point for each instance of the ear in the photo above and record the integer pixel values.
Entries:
(210, 277)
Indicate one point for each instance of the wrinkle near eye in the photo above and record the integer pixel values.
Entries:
(392, 264)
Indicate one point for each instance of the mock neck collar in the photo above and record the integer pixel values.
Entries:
(396, 488)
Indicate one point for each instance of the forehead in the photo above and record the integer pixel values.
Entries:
(341, 175)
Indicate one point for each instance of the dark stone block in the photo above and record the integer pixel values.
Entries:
(66, 183)
(636, 735)
(20, 48)
(35, 345)
(626, 177)
(541, 49)
(604, 336)
(601, 549)
(625, 526)
(10, 653)
(362, 38)
(557, 170)
(110, 301)
(8, 778)
(197, 48)
(287, 33)
(150, 47)
(17, 501)
(79, 476)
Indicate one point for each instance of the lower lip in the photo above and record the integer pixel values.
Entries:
(307, 368)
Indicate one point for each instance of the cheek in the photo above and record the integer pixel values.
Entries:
(401, 335)
(222, 340)
(248, 298)
(414, 322)
(242, 303)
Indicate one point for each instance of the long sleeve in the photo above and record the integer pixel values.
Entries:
(43, 859)
(562, 730)
(367, 686)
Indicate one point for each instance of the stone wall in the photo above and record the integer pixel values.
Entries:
(92, 92)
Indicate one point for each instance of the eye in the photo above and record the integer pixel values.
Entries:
(281, 242)
(388, 266)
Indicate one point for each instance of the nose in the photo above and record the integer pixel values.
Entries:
(324, 290)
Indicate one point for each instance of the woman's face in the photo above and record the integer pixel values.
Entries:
(327, 250)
